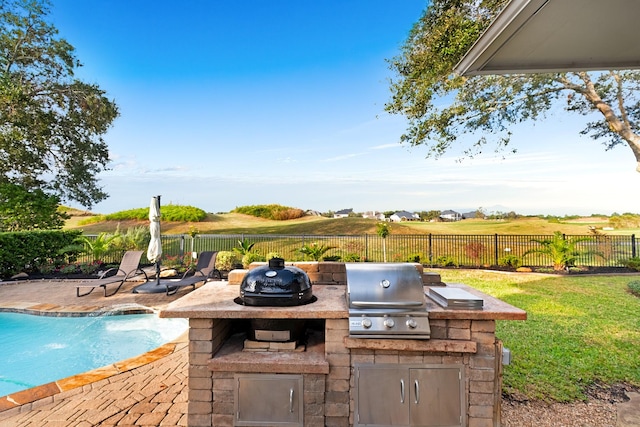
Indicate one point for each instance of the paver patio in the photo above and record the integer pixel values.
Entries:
(148, 390)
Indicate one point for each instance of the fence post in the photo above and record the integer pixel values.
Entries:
(633, 246)
(495, 245)
(366, 246)
(430, 252)
(182, 246)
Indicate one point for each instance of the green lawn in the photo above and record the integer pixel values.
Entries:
(233, 223)
(579, 330)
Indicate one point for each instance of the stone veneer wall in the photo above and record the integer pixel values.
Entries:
(483, 372)
(206, 336)
(327, 398)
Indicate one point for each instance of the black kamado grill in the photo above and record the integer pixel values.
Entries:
(276, 285)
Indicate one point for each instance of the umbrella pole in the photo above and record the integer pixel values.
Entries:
(158, 260)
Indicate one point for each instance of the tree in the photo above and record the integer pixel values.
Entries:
(51, 124)
(430, 215)
(22, 210)
(383, 229)
(490, 104)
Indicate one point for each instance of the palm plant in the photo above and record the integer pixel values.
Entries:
(563, 251)
(244, 247)
(100, 246)
(315, 251)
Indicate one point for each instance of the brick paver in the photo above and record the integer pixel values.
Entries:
(148, 405)
(150, 394)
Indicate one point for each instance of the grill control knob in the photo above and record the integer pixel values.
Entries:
(366, 323)
(412, 323)
(389, 323)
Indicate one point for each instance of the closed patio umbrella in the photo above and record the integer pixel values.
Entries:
(154, 251)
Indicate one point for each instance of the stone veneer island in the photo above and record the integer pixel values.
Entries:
(228, 381)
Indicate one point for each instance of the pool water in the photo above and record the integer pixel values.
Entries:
(36, 350)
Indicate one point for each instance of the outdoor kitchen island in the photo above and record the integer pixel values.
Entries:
(332, 377)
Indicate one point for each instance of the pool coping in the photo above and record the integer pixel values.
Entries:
(53, 388)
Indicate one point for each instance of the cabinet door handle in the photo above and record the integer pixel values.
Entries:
(401, 391)
(417, 390)
(290, 400)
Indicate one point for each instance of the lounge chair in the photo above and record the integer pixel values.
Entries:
(129, 268)
(205, 270)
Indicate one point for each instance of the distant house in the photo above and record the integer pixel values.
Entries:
(404, 216)
(342, 213)
(450, 215)
(469, 215)
(374, 215)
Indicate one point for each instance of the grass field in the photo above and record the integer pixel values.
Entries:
(232, 223)
(579, 331)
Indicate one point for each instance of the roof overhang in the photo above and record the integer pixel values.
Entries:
(542, 36)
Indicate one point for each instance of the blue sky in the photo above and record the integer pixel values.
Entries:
(232, 103)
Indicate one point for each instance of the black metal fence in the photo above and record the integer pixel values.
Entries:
(428, 249)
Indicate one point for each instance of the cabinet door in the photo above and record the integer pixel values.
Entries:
(268, 400)
(437, 397)
(382, 397)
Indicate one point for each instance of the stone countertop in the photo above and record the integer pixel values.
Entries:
(215, 300)
(493, 308)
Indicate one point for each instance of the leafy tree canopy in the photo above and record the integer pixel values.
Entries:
(22, 210)
(51, 124)
(441, 106)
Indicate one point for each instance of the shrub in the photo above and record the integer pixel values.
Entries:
(511, 261)
(171, 261)
(226, 260)
(90, 267)
(417, 257)
(634, 287)
(272, 255)
(446, 261)
(626, 220)
(68, 269)
(273, 211)
(633, 263)
(474, 250)
(29, 250)
(250, 257)
(48, 269)
(169, 213)
(351, 257)
(290, 213)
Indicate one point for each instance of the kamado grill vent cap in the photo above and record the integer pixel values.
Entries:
(275, 285)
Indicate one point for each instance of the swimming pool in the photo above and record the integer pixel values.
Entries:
(36, 350)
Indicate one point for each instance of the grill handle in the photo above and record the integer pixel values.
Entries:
(387, 304)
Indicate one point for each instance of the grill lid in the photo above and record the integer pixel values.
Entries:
(275, 285)
(381, 285)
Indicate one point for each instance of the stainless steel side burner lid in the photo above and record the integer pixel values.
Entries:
(386, 301)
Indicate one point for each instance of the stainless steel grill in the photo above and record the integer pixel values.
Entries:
(386, 301)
